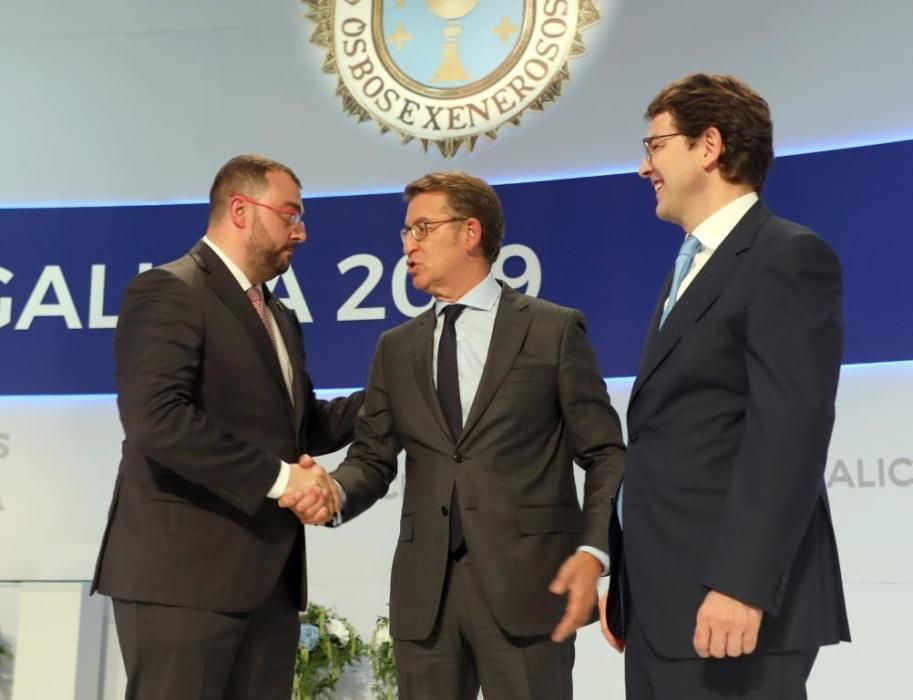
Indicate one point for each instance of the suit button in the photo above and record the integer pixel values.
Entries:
(444, 510)
(634, 437)
(458, 458)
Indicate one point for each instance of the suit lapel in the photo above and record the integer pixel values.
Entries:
(507, 336)
(422, 343)
(293, 347)
(226, 287)
(698, 297)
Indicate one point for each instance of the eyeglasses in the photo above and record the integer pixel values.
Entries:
(292, 217)
(421, 230)
(648, 142)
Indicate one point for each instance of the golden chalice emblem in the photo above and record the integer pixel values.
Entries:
(451, 67)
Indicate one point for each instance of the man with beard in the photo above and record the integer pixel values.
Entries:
(206, 571)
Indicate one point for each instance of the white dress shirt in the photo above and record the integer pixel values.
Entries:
(711, 233)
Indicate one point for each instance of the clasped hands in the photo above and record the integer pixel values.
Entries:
(311, 494)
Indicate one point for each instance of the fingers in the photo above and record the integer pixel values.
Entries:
(731, 647)
(289, 499)
(725, 627)
(311, 507)
(314, 508)
(613, 641)
(324, 481)
(312, 494)
(576, 577)
(616, 644)
(701, 640)
(750, 640)
(564, 628)
(576, 614)
(603, 622)
(559, 584)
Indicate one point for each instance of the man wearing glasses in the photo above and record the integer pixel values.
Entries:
(725, 575)
(493, 395)
(207, 572)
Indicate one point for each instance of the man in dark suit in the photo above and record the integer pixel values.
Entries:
(725, 576)
(206, 571)
(493, 395)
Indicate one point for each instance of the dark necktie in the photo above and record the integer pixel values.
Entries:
(448, 391)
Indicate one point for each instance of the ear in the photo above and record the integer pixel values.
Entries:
(472, 235)
(711, 141)
(236, 210)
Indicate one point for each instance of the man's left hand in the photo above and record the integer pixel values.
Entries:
(577, 578)
(725, 627)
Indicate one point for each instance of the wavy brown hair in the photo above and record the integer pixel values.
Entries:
(699, 101)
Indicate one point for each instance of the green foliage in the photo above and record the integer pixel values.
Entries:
(327, 644)
(383, 664)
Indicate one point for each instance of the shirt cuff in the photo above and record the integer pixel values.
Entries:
(599, 554)
(337, 520)
(281, 483)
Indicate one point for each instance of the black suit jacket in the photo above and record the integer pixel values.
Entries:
(728, 427)
(541, 405)
(207, 417)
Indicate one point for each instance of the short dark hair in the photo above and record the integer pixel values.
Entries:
(244, 174)
(699, 101)
(467, 197)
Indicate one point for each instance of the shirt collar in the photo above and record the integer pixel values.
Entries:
(712, 231)
(232, 268)
(483, 296)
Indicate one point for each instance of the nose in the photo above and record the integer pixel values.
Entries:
(299, 233)
(409, 244)
(646, 167)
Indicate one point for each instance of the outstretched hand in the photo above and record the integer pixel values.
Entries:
(577, 578)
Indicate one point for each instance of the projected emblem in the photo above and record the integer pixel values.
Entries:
(446, 72)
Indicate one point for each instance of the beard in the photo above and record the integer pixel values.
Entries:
(268, 259)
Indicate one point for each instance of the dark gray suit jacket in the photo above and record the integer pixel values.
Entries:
(207, 417)
(728, 427)
(541, 404)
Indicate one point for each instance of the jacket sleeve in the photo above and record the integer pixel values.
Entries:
(158, 349)
(371, 463)
(593, 427)
(793, 348)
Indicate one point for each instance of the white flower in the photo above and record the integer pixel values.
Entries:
(336, 628)
(382, 635)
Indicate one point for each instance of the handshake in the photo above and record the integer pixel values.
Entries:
(312, 494)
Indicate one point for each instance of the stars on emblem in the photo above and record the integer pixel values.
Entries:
(399, 37)
(505, 29)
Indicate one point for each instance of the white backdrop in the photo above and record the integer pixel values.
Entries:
(56, 479)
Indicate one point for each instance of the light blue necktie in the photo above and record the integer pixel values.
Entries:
(682, 264)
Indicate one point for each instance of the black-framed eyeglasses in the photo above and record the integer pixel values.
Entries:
(649, 142)
(421, 230)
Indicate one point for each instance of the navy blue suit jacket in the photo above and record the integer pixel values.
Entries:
(728, 426)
